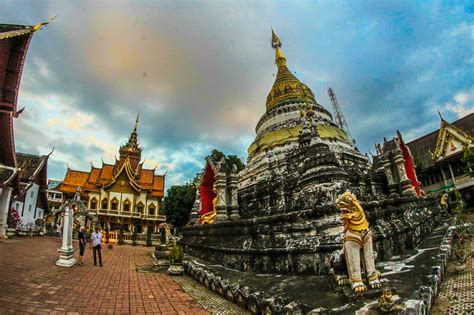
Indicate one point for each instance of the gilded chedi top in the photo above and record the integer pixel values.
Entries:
(286, 87)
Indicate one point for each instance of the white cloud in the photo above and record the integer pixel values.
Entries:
(462, 103)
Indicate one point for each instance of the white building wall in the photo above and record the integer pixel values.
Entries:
(28, 210)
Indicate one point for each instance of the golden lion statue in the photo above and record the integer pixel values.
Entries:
(358, 248)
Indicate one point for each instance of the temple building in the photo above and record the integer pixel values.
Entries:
(14, 42)
(32, 202)
(439, 157)
(123, 194)
(55, 197)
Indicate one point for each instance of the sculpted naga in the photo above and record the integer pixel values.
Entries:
(358, 250)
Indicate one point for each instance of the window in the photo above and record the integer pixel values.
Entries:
(140, 207)
(93, 203)
(126, 205)
(32, 193)
(40, 214)
(114, 204)
(105, 204)
(151, 209)
(34, 215)
(29, 208)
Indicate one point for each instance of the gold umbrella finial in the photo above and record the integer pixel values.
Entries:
(280, 59)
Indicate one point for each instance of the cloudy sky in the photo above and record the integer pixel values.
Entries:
(198, 72)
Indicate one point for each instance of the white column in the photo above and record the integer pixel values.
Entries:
(71, 222)
(5, 194)
(65, 226)
(66, 252)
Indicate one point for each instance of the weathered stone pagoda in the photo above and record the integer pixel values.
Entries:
(286, 223)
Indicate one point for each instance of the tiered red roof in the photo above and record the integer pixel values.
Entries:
(140, 179)
(97, 178)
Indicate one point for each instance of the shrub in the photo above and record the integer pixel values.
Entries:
(40, 223)
(14, 219)
(176, 253)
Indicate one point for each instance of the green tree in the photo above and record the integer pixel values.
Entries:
(217, 155)
(178, 204)
(234, 159)
(419, 168)
(468, 158)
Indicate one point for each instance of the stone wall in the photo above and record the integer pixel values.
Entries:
(302, 241)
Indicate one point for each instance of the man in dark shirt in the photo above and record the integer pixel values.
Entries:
(82, 244)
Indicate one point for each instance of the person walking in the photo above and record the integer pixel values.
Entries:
(96, 239)
(82, 244)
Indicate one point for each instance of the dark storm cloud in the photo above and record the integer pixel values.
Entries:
(199, 72)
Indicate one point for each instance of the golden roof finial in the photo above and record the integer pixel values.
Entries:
(38, 26)
(280, 59)
(136, 122)
(132, 143)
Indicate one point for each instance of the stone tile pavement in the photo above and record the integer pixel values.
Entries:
(207, 298)
(456, 296)
(458, 291)
(30, 282)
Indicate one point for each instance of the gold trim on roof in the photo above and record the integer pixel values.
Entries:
(24, 31)
(130, 174)
(274, 138)
(444, 136)
(15, 33)
(282, 136)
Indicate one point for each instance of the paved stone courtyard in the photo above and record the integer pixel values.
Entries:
(456, 294)
(30, 282)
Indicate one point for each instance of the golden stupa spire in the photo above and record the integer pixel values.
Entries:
(280, 59)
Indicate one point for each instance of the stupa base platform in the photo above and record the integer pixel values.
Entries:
(413, 277)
